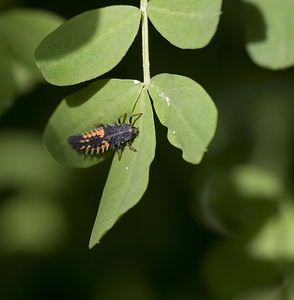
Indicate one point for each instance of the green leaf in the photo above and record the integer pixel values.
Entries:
(250, 188)
(184, 107)
(128, 178)
(252, 182)
(88, 45)
(187, 24)
(269, 31)
(101, 102)
(21, 30)
(274, 241)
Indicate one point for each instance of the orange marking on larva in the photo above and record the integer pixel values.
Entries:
(100, 132)
(105, 137)
(93, 134)
(88, 148)
(85, 141)
(106, 145)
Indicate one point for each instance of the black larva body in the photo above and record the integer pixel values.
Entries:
(115, 136)
(118, 135)
(106, 137)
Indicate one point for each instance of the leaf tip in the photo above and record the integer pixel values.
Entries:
(92, 244)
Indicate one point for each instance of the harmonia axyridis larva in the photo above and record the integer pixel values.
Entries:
(106, 137)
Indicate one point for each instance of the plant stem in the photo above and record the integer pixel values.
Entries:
(145, 43)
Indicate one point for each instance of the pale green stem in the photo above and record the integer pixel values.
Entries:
(145, 44)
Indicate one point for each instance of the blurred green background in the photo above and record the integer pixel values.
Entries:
(221, 230)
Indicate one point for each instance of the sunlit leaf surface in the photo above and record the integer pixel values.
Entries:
(88, 45)
(186, 23)
(188, 112)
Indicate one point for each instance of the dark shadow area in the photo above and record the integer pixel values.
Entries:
(68, 38)
(80, 97)
(255, 27)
